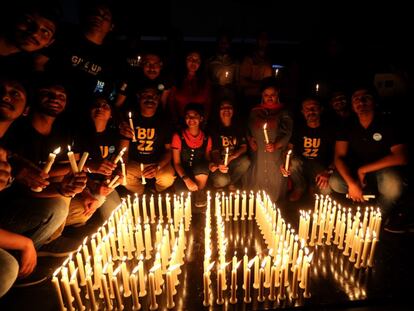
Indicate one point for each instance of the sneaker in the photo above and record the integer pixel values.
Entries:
(200, 198)
(61, 247)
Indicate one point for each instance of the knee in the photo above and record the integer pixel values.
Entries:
(220, 180)
(244, 164)
(337, 184)
(9, 269)
(56, 208)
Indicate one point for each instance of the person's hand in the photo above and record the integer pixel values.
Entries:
(5, 169)
(73, 184)
(191, 185)
(90, 204)
(32, 177)
(270, 147)
(361, 176)
(213, 167)
(223, 168)
(253, 144)
(150, 171)
(322, 180)
(103, 189)
(355, 192)
(103, 167)
(28, 259)
(284, 172)
(125, 130)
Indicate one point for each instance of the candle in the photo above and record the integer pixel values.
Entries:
(131, 125)
(134, 287)
(265, 133)
(125, 278)
(220, 278)
(367, 245)
(75, 291)
(79, 262)
(226, 74)
(226, 157)
(91, 293)
(124, 175)
(55, 283)
(152, 209)
(72, 161)
(306, 293)
(119, 156)
(153, 298)
(115, 286)
(247, 298)
(48, 166)
(105, 289)
(372, 253)
(256, 272)
(294, 292)
(170, 287)
(233, 286)
(272, 296)
(143, 181)
(287, 161)
(82, 161)
(113, 181)
(260, 295)
(317, 88)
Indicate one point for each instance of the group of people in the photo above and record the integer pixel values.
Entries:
(148, 133)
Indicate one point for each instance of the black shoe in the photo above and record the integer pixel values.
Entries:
(200, 198)
(61, 247)
(39, 275)
(396, 224)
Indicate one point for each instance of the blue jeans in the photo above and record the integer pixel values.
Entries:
(36, 218)
(9, 269)
(389, 185)
(237, 168)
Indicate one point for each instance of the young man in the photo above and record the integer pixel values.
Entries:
(150, 155)
(313, 149)
(369, 154)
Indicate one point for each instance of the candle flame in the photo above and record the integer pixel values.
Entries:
(237, 266)
(57, 271)
(210, 266)
(251, 262)
(130, 114)
(172, 268)
(135, 270)
(66, 262)
(68, 147)
(124, 149)
(264, 263)
(74, 275)
(57, 150)
(289, 152)
(155, 267)
(265, 126)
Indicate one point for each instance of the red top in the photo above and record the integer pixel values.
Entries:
(192, 142)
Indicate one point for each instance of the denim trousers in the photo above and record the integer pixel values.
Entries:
(9, 269)
(237, 168)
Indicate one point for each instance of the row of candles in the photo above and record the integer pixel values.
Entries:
(332, 224)
(120, 238)
(265, 274)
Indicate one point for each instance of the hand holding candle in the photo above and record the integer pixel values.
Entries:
(72, 161)
(265, 133)
(287, 161)
(226, 157)
(143, 181)
(48, 166)
(119, 156)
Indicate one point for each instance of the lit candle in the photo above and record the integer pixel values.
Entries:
(142, 290)
(105, 288)
(72, 161)
(153, 298)
(55, 283)
(119, 156)
(317, 88)
(233, 286)
(125, 278)
(226, 157)
(294, 292)
(115, 286)
(75, 291)
(226, 74)
(276, 72)
(265, 133)
(143, 181)
(79, 262)
(160, 214)
(124, 175)
(48, 166)
(168, 207)
(287, 161)
(206, 283)
(131, 125)
(247, 298)
(220, 278)
(306, 293)
(260, 295)
(372, 253)
(82, 161)
(152, 209)
(91, 294)
(170, 287)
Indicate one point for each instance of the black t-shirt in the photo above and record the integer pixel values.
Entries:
(232, 137)
(152, 135)
(370, 144)
(102, 145)
(316, 144)
(26, 142)
(18, 64)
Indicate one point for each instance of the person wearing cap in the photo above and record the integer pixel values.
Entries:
(191, 154)
(150, 156)
(270, 129)
(370, 154)
(229, 159)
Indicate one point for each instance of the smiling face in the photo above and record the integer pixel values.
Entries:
(51, 100)
(193, 119)
(34, 32)
(226, 110)
(12, 100)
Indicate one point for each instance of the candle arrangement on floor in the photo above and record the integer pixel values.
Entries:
(132, 255)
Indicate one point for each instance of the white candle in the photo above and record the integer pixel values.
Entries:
(72, 161)
(75, 291)
(55, 283)
(125, 278)
(119, 156)
(153, 298)
(317, 88)
(131, 125)
(82, 161)
(372, 253)
(287, 162)
(115, 285)
(265, 133)
(48, 166)
(143, 181)
(105, 289)
(226, 157)
(123, 169)
(134, 288)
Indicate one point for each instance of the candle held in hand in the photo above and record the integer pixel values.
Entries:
(226, 157)
(48, 166)
(131, 124)
(287, 162)
(265, 133)
(143, 181)
(72, 161)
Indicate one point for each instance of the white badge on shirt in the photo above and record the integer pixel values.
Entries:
(377, 136)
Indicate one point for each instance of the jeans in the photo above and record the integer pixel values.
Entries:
(303, 173)
(36, 218)
(389, 184)
(237, 168)
(9, 269)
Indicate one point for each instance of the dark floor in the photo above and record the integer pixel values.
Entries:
(388, 286)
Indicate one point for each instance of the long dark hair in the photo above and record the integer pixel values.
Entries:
(182, 72)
